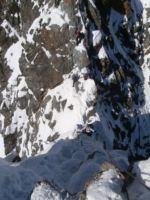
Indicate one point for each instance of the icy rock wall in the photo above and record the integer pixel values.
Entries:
(119, 57)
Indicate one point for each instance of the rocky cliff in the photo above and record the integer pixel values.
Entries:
(38, 53)
(74, 82)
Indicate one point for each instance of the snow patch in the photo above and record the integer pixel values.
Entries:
(12, 56)
(43, 191)
(97, 36)
(107, 186)
(102, 53)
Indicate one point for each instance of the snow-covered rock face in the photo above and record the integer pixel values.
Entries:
(120, 61)
(67, 63)
(74, 88)
(108, 186)
(38, 48)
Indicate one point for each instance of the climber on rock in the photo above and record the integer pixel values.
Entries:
(79, 36)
